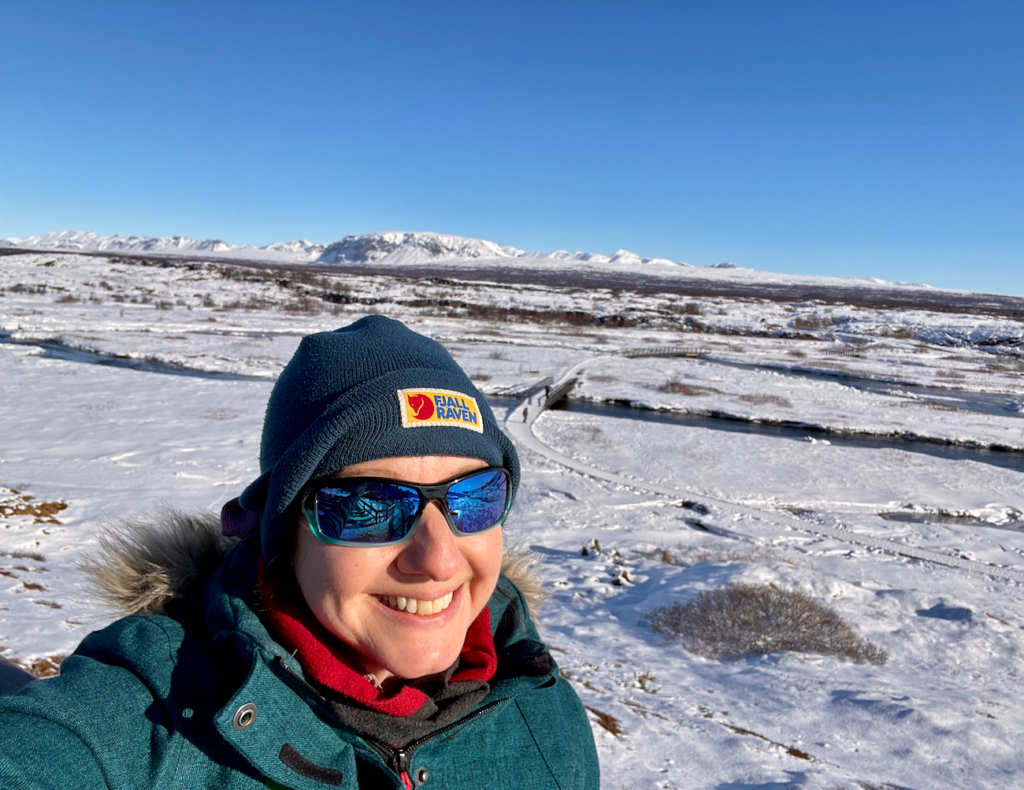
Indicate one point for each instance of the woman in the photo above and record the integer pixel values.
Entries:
(357, 631)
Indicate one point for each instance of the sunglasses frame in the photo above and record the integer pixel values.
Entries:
(427, 493)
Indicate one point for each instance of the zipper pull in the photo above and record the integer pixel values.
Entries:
(402, 767)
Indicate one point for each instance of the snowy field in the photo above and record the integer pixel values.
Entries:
(892, 490)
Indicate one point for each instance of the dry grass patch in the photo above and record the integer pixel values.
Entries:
(45, 667)
(304, 304)
(688, 556)
(762, 399)
(676, 387)
(607, 721)
(14, 503)
(813, 321)
(757, 619)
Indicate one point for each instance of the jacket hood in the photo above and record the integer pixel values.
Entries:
(144, 564)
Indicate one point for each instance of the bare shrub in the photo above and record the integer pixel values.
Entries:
(763, 399)
(809, 322)
(304, 304)
(21, 288)
(686, 308)
(676, 387)
(744, 619)
(67, 299)
(688, 556)
(898, 332)
(165, 304)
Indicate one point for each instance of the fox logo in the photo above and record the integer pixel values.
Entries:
(422, 406)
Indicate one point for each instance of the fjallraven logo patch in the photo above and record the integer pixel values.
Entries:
(439, 407)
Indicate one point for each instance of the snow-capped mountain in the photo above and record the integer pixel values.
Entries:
(84, 241)
(391, 247)
(398, 247)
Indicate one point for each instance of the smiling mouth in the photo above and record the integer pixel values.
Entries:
(415, 605)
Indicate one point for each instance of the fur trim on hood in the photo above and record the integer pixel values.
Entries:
(144, 563)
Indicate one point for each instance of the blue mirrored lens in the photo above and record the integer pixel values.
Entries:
(478, 502)
(372, 512)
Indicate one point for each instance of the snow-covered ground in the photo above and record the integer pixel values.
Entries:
(124, 386)
(396, 249)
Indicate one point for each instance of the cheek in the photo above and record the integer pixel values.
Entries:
(484, 556)
(333, 572)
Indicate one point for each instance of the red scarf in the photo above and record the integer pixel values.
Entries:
(325, 659)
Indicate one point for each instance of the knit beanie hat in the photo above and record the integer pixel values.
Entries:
(371, 390)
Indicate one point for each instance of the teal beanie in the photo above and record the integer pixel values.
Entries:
(374, 389)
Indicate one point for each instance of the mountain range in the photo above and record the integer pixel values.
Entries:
(391, 247)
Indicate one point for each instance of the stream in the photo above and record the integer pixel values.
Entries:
(51, 349)
(994, 403)
(1004, 459)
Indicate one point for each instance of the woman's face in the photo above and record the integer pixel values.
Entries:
(350, 589)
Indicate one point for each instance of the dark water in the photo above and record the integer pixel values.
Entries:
(998, 404)
(945, 518)
(1004, 459)
(52, 349)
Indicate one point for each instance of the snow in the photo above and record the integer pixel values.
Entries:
(920, 552)
(397, 248)
(84, 241)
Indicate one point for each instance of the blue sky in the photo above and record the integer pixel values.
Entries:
(881, 139)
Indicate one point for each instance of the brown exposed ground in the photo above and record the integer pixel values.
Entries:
(518, 272)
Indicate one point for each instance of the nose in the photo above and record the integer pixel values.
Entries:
(433, 550)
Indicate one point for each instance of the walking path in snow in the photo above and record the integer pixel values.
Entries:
(519, 423)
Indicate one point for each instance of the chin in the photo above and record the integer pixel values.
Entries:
(416, 664)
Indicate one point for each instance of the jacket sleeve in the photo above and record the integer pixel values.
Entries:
(41, 754)
(100, 723)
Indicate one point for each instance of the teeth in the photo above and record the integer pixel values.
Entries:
(415, 605)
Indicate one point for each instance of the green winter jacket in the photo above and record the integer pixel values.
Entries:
(161, 701)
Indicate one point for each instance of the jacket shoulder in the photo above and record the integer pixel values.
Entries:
(104, 719)
(561, 729)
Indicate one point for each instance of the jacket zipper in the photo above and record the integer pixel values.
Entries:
(398, 759)
(280, 662)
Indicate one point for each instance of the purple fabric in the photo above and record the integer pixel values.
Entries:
(237, 522)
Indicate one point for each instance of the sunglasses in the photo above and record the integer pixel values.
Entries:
(376, 511)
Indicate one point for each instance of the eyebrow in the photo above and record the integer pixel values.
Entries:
(383, 474)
